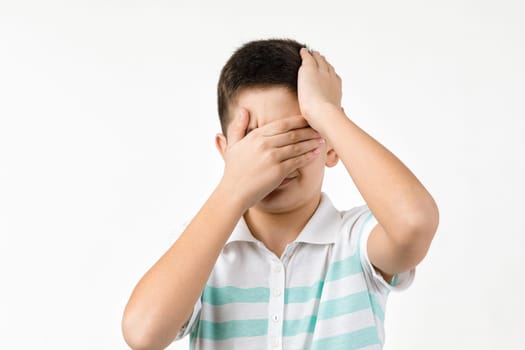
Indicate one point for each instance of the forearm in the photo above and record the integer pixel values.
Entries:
(395, 196)
(164, 298)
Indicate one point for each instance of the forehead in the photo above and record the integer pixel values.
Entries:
(266, 104)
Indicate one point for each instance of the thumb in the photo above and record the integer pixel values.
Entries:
(237, 128)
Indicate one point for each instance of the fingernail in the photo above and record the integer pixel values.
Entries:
(317, 151)
(321, 140)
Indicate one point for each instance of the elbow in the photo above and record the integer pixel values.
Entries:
(422, 226)
(416, 242)
(413, 242)
(137, 334)
(134, 335)
(142, 332)
(426, 224)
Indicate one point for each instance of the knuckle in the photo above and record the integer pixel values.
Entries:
(306, 156)
(262, 145)
(284, 124)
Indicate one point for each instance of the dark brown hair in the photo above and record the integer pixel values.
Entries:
(259, 63)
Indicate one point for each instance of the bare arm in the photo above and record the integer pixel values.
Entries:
(164, 298)
(255, 164)
(406, 213)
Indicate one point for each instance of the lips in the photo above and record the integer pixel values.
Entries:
(287, 180)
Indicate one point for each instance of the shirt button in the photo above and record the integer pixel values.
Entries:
(276, 292)
(275, 342)
(275, 318)
(277, 268)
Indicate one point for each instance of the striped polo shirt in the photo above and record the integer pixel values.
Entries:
(322, 293)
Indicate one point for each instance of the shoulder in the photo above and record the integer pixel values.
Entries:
(354, 222)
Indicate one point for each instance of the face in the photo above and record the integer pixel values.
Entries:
(270, 104)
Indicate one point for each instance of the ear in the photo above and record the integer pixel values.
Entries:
(331, 157)
(221, 143)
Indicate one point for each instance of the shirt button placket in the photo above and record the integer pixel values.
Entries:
(276, 304)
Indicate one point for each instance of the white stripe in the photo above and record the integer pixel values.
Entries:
(252, 343)
(344, 324)
(300, 270)
(345, 286)
(235, 269)
(298, 342)
(301, 310)
(233, 311)
(380, 329)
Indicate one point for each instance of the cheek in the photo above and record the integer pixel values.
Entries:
(315, 168)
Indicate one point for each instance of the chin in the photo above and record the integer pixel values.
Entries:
(273, 205)
(281, 201)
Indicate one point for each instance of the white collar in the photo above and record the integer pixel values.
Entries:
(322, 228)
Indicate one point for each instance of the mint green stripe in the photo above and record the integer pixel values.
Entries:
(350, 265)
(303, 294)
(378, 311)
(349, 341)
(232, 329)
(345, 305)
(393, 282)
(227, 295)
(344, 268)
(367, 219)
(350, 303)
(294, 327)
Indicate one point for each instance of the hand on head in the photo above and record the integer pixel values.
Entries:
(318, 87)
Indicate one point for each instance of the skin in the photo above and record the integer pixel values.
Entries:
(290, 138)
(286, 209)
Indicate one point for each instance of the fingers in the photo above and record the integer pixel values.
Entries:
(308, 59)
(238, 125)
(292, 136)
(315, 58)
(297, 149)
(321, 61)
(283, 125)
(300, 161)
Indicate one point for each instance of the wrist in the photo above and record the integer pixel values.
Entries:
(231, 196)
(324, 116)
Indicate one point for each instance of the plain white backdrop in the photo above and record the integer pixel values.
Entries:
(108, 116)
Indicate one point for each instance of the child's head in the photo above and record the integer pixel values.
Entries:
(257, 64)
(261, 76)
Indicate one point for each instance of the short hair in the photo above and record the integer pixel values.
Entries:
(260, 64)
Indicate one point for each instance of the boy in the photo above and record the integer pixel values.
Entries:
(268, 262)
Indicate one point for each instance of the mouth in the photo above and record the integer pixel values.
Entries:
(287, 180)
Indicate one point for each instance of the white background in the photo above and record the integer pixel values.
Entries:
(108, 115)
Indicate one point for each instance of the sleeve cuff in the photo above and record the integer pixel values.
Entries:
(190, 323)
(400, 281)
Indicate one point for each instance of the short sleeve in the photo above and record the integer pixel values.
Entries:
(400, 281)
(189, 325)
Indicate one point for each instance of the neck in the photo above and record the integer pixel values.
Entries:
(276, 230)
